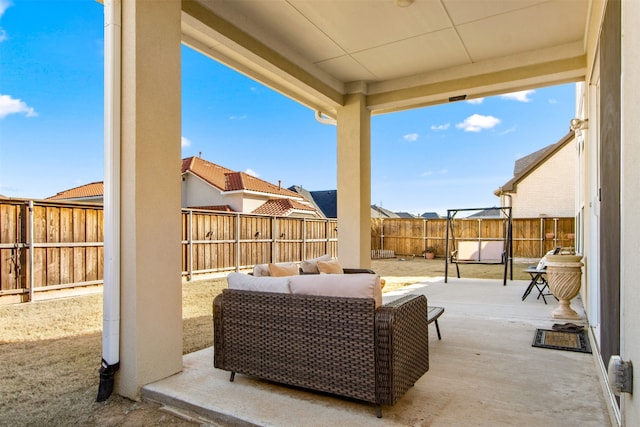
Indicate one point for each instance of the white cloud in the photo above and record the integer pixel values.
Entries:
(553, 101)
(411, 137)
(477, 123)
(9, 105)
(427, 173)
(475, 101)
(4, 5)
(522, 96)
(238, 117)
(440, 127)
(510, 130)
(252, 173)
(185, 142)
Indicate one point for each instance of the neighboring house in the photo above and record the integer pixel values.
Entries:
(208, 186)
(430, 215)
(380, 212)
(544, 182)
(324, 200)
(486, 213)
(405, 215)
(88, 193)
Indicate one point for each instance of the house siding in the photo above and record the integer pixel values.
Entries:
(549, 190)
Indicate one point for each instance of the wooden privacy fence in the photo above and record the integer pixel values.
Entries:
(532, 237)
(214, 241)
(47, 246)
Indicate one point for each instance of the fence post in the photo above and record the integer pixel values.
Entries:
(31, 249)
(190, 246)
(424, 234)
(327, 231)
(237, 241)
(304, 238)
(541, 251)
(274, 239)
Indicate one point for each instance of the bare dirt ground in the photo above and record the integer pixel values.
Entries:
(50, 351)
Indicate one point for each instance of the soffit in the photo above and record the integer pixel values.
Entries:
(314, 50)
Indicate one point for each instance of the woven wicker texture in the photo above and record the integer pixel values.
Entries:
(323, 343)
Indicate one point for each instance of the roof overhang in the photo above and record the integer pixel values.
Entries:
(318, 51)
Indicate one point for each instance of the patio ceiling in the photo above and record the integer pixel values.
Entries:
(316, 51)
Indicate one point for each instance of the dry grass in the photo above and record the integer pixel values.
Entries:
(51, 350)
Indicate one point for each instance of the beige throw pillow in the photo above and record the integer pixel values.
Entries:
(330, 267)
(282, 270)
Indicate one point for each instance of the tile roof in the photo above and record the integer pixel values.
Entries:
(227, 180)
(94, 189)
(284, 207)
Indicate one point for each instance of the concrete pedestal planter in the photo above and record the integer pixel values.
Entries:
(564, 274)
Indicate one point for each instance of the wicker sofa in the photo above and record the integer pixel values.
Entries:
(339, 345)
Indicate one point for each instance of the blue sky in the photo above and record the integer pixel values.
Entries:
(429, 159)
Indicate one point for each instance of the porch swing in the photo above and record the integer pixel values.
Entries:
(479, 250)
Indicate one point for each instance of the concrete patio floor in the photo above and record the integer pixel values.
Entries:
(484, 372)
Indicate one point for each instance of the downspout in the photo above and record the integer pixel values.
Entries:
(111, 293)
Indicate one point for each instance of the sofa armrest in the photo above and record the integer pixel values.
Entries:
(358, 270)
(402, 346)
(348, 271)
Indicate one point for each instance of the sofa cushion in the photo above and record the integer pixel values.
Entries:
(330, 267)
(311, 265)
(360, 285)
(246, 282)
(282, 270)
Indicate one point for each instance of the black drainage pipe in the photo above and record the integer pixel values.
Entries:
(107, 373)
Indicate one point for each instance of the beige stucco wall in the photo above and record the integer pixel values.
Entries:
(196, 192)
(354, 183)
(548, 190)
(150, 274)
(250, 203)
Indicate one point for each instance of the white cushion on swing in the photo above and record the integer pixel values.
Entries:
(491, 250)
(467, 251)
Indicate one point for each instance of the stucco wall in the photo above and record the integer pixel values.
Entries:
(549, 189)
(196, 192)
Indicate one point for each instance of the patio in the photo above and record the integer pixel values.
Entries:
(484, 372)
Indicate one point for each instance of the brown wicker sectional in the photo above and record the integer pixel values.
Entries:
(336, 345)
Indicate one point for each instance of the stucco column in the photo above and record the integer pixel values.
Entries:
(151, 293)
(630, 204)
(354, 183)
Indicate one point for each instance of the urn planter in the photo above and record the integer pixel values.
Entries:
(564, 274)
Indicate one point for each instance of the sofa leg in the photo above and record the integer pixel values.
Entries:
(379, 411)
(233, 375)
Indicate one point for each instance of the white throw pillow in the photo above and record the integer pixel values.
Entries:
(246, 282)
(311, 265)
(261, 270)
